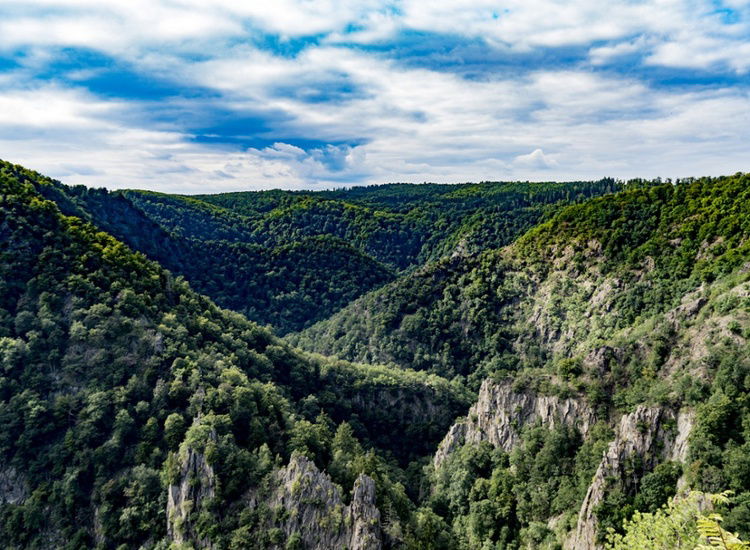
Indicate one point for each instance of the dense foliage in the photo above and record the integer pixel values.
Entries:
(405, 225)
(652, 244)
(114, 371)
(288, 285)
(638, 297)
(106, 361)
(492, 499)
(684, 523)
(289, 259)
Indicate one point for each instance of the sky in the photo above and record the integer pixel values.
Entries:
(198, 96)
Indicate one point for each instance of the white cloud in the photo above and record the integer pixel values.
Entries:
(419, 125)
(535, 160)
(410, 123)
(53, 107)
(128, 27)
(602, 55)
(703, 52)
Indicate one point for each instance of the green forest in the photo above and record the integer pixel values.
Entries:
(499, 365)
(289, 259)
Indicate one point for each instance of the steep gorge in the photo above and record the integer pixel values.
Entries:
(608, 349)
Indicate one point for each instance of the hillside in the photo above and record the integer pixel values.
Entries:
(635, 306)
(531, 395)
(289, 286)
(404, 225)
(582, 278)
(289, 259)
(118, 381)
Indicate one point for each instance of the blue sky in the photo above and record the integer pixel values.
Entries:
(215, 95)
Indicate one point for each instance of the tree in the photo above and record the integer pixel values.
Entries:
(679, 524)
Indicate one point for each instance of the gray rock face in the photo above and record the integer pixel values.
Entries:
(313, 509)
(685, 421)
(640, 434)
(303, 501)
(650, 434)
(364, 516)
(13, 488)
(196, 484)
(500, 413)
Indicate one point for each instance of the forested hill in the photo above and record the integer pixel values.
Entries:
(591, 271)
(530, 395)
(290, 259)
(115, 378)
(612, 342)
(288, 286)
(405, 225)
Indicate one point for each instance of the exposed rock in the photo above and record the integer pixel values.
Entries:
(364, 516)
(303, 501)
(500, 414)
(13, 488)
(688, 309)
(604, 292)
(196, 484)
(308, 505)
(598, 360)
(643, 435)
(461, 250)
(454, 439)
(685, 421)
(646, 437)
(701, 324)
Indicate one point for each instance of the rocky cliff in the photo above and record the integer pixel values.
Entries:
(648, 436)
(196, 484)
(304, 506)
(13, 487)
(307, 506)
(501, 412)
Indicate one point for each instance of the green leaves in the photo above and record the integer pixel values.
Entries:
(681, 524)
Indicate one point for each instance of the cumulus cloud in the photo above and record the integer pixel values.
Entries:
(601, 55)
(535, 160)
(190, 96)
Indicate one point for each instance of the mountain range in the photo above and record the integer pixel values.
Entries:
(470, 366)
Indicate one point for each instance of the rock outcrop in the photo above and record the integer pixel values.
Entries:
(13, 488)
(307, 505)
(646, 437)
(649, 435)
(195, 485)
(500, 414)
(298, 502)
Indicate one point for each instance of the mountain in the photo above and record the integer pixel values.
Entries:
(528, 388)
(125, 396)
(617, 327)
(290, 259)
(403, 225)
(289, 285)
(592, 274)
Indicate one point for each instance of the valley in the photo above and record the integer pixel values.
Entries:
(471, 366)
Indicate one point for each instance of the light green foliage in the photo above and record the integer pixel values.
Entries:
(682, 523)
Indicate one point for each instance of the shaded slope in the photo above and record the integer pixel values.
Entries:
(290, 259)
(404, 225)
(288, 286)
